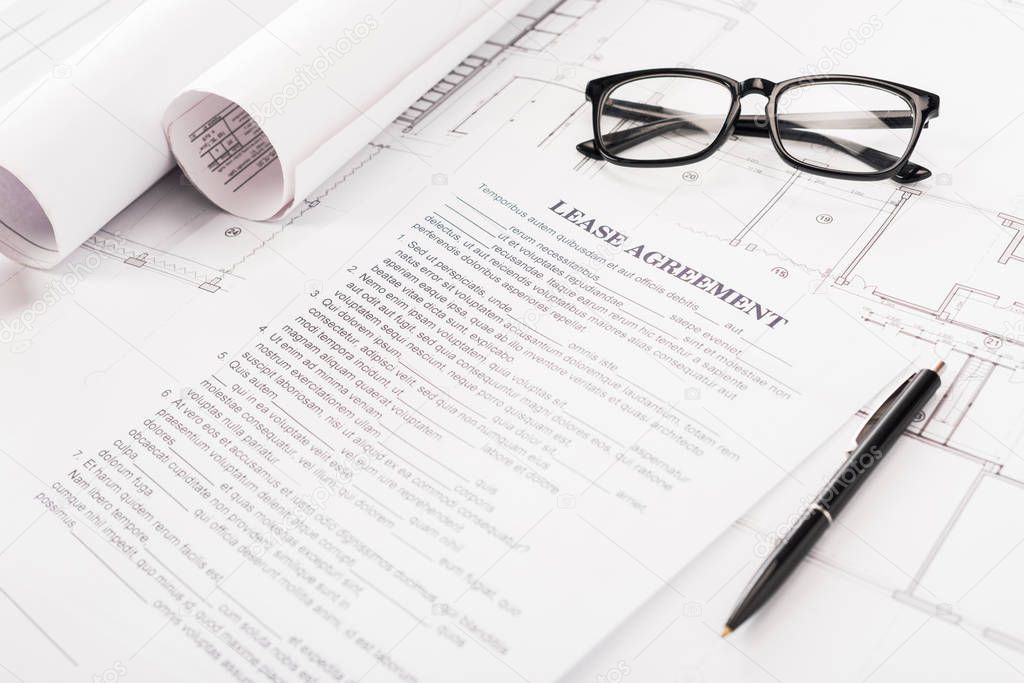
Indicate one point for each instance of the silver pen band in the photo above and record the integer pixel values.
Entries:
(828, 515)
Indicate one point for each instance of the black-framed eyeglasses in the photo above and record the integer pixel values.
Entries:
(848, 127)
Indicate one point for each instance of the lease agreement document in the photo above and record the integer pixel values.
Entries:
(496, 431)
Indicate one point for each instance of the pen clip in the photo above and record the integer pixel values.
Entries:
(882, 408)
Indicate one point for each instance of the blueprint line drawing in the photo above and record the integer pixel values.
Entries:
(966, 302)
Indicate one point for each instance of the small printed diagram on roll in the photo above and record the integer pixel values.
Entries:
(228, 156)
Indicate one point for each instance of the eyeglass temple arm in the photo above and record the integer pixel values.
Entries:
(661, 121)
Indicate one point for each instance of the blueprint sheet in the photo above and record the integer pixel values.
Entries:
(924, 568)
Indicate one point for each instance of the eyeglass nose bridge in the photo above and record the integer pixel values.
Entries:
(761, 86)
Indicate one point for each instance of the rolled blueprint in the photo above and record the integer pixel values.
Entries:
(266, 126)
(83, 143)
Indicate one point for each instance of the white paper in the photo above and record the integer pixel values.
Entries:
(42, 37)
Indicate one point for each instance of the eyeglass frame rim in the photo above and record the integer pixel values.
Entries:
(924, 106)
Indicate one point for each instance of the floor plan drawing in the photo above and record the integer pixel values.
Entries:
(952, 548)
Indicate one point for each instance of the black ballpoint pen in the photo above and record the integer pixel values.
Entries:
(875, 439)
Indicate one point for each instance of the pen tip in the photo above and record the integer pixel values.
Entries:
(726, 631)
(938, 366)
